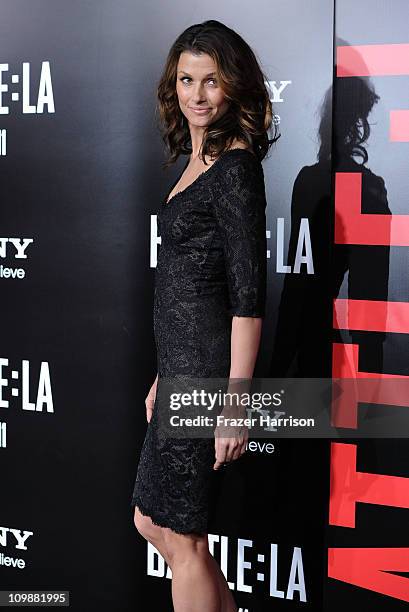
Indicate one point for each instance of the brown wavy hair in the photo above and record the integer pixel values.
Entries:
(250, 114)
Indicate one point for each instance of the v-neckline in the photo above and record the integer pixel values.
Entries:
(167, 202)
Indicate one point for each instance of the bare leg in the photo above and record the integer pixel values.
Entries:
(152, 533)
(197, 580)
(198, 584)
(228, 603)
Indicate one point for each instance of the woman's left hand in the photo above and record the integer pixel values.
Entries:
(230, 443)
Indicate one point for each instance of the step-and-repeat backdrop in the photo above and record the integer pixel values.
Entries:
(314, 524)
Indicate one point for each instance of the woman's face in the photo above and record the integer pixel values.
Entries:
(197, 87)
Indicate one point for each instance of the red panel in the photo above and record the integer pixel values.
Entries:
(368, 568)
(361, 387)
(354, 227)
(372, 60)
(399, 126)
(348, 487)
(371, 315)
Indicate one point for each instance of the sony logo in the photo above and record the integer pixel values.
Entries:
(7, 533)
(17, 246)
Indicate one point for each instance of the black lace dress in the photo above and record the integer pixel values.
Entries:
(211, 266)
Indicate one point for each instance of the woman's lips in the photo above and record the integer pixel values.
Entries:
(200, 111)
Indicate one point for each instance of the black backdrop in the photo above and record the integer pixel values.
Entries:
(81, 180)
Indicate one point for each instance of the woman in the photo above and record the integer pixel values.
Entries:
(210, 288)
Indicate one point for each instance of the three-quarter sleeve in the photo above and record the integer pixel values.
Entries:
(240, 211)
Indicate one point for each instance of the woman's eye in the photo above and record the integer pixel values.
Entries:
(188, 79)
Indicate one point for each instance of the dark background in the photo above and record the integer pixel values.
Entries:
(85, 183)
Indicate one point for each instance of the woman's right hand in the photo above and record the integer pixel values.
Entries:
(150, 400)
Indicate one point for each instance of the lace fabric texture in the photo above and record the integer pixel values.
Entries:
(211, 266)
